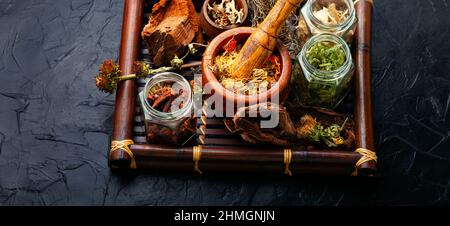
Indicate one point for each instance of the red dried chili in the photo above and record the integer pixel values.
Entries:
(230, 46)
(275, 61)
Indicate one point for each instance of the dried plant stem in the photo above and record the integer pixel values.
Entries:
(153, 71)
(126, 77)
(199, 44)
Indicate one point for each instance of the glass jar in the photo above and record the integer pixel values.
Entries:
(174, 127)
(312, 25)
(320, 88)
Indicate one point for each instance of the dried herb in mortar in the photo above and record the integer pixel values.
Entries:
(261, 79)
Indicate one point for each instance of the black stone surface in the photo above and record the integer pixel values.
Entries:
(54, 124)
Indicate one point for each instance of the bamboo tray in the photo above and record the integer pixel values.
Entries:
(218, 150)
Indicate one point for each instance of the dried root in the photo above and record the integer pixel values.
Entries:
(315, 127)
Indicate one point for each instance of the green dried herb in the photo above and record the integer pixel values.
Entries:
(326, 56)
(314, 132)
(327, 86)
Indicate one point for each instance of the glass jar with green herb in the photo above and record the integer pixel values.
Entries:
(329, 16)
(323, 71)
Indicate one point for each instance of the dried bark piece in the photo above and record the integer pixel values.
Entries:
(289, 133)
(172, 25)
(251, 131)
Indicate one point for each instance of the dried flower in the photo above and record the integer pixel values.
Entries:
(107, 78)
(108, 67)
(176, 62)
(313, 131)
(192, 49)
(307, 125)
(106, 83)
(141, 69)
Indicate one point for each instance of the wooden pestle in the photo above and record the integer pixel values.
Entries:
(260, 45)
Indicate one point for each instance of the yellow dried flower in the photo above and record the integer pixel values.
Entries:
(307, 125)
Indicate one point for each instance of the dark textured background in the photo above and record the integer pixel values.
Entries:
(54, 124)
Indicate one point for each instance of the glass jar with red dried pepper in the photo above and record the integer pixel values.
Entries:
(167, 103)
